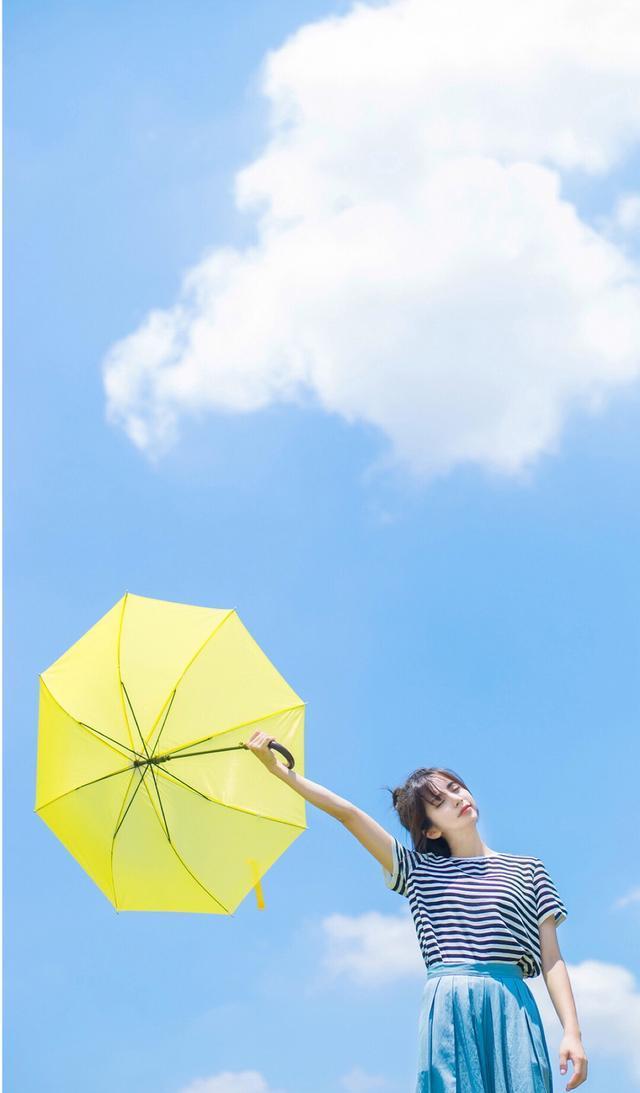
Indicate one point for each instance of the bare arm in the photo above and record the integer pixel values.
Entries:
(556, 977)
(367, 831)
(313, 792)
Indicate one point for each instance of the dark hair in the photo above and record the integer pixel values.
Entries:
(409, 803)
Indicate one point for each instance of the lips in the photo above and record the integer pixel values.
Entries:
(465, 809)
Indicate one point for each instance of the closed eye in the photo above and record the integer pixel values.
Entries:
(452, 785)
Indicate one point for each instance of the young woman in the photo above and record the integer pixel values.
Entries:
(485, 922)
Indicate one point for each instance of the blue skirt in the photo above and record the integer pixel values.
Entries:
(480, 1031)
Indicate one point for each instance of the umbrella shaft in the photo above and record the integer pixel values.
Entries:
(141, 762)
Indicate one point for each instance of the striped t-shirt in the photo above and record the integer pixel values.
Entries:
(478, 908)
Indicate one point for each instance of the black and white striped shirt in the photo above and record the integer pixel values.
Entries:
(478, 908)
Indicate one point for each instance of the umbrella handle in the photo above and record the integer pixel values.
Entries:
(283, 751)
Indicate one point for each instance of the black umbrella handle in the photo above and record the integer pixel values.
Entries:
(283, 751)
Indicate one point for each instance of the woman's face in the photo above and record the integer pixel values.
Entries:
(446, 815)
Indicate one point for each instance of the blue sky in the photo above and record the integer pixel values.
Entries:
(473, 618)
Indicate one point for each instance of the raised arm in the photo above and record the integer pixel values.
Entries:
(373, 837)
(367, 831)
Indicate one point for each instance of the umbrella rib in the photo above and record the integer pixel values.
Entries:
(124, 708)
(234, 728)
(98, 732)
(166, 824)
(215, 630)
(183, 862)
(153, 752)
(113, 879)
(224, 804)
(85, 726)
(144, 743)
(168, 837)
(133, 796)
(84, 785)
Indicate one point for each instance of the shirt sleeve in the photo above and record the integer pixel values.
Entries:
(548, 901)
(404, 863)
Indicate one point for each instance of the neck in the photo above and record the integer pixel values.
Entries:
(468, 845)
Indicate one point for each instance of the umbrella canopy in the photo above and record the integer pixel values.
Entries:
(142, 771)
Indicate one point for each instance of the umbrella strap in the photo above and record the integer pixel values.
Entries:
(256, 883)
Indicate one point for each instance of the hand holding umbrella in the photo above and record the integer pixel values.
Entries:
(263, 747)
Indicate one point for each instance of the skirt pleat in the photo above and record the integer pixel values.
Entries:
(480, 1031)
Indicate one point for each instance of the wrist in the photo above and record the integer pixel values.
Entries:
(572, 1030)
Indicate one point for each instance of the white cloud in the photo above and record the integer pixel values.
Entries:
(416, 267)
(239, 1081)
(627, 212)
(373, 950)
(608, 1005)
(356, 1080)
(633, 896)
(359, 1081)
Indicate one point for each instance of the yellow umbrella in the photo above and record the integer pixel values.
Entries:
(142, 770)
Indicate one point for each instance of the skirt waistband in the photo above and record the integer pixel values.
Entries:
(477, 967)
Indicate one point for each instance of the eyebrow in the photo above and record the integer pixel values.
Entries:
(449, 784)
(437, 792)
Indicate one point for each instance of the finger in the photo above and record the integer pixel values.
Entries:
(577, 1077)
